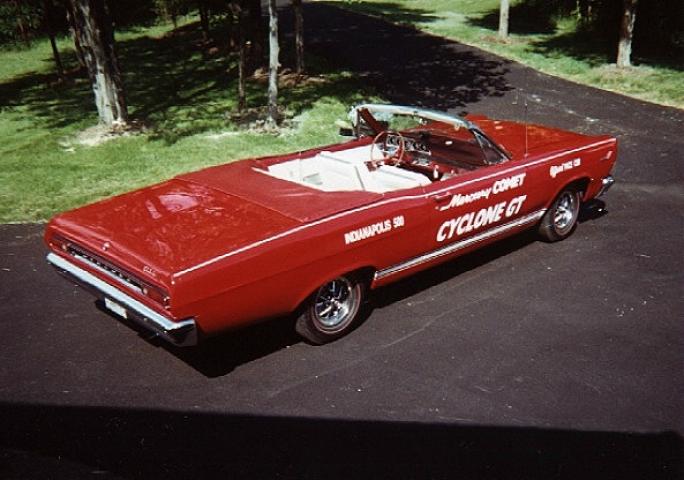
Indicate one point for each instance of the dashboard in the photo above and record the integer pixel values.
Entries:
(436, 156)
(409, 144)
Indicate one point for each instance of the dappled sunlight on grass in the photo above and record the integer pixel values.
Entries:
(542, 40)
(183, 93)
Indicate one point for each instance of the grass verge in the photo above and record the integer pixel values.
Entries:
(557, 46)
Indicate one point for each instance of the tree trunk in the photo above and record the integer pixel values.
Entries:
(204, 19)
(626, 31)
(255, 34)
(55, 55)
(75, 34)
(48, 12)
(239, 12)
(299, 36)
(23, 29)
(584, 11)
(503, 19)
(95, 30)
(273, 51)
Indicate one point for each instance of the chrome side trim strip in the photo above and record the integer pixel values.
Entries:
(387, 202)
(454, 247)
(151, 319)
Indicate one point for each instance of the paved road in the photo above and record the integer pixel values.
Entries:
(524, 360)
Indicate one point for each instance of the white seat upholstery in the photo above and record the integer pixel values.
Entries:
(395, 178)
(346, 170)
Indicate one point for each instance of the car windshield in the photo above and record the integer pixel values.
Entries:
(448, 140)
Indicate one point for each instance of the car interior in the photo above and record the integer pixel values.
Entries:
(414, 152)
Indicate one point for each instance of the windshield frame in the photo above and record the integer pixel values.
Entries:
(366, 110)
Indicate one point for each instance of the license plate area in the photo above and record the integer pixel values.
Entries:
(114, 307)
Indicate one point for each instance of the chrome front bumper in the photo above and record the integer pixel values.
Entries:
(606, 183)
(182, 333)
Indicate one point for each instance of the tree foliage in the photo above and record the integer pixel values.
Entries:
(20, 21)
(659, 28)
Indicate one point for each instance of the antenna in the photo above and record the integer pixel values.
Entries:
(518, 92)
(525, 126)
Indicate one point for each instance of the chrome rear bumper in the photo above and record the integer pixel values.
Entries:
(606, 183)
(182, 333)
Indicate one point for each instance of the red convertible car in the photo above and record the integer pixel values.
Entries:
(314, 231)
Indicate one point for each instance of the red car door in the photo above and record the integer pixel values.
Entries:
(483, 202)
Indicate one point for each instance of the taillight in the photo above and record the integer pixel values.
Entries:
(59, 243)
(156, 294)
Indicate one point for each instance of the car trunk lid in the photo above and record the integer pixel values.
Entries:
(248, 180)
(165, 228)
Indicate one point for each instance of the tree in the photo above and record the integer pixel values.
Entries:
(20, 20)
(75, 34)
(254, 34)
(48, 16)
(299, 36)
(94, 29)
(169, 10)
(503, 19)
(239, 16)
(273, 52)
(626, 32)
(22, 28)
(204, 18)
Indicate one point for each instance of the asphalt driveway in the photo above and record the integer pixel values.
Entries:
(524, 360)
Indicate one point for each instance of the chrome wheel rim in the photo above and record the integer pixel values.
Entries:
(565, 213)
(335, 304)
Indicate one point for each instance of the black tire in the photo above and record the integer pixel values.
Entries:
(332, 311)
(560, 220)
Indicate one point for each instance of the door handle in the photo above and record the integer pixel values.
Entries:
(442, 197)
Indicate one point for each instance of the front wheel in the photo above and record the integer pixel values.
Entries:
(561, 219)
(331, 311)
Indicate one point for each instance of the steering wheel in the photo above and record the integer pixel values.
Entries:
(396, 156)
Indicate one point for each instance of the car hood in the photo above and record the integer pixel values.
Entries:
(172, 226)
(540, 139)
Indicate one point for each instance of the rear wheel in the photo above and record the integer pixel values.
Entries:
(332, 310)
(561, 219)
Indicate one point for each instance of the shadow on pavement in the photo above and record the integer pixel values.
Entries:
(220, 355)
(404, 65)
(40, 441)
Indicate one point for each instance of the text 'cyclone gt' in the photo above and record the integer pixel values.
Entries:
(314, 232)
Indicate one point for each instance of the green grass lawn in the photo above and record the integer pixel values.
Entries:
(184, 95)
(552, 45)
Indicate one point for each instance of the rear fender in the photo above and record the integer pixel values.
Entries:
(361, 270)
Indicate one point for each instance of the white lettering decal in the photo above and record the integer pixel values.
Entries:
(478, 219)
(499, 186)
(508, 183)
(372, 230)
(564, 167)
